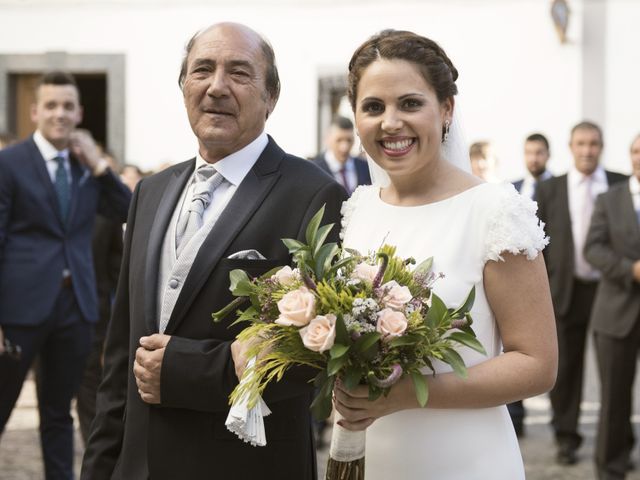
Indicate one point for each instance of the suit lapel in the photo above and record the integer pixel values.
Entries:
(362, 172)
(161, 221)
(247, 198)
(322, 163)
(628, 213)
(45, 179)
(563, 208)
(77, 176)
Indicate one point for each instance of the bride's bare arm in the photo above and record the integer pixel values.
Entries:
(518, 293)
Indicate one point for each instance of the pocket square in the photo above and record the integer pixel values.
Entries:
(247, 255)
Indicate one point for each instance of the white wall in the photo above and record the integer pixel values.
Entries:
(622, 88)
(515, 76)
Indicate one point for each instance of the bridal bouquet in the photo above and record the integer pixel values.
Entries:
(367, 319)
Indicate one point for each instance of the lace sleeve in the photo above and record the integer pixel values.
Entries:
(349, 206)
(513, 226)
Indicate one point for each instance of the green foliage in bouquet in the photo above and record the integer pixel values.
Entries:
(369, 319)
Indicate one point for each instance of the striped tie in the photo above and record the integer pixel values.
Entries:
(207, 179)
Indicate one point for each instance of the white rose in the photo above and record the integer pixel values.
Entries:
(320, 334)
(391, 323)
(395, 295)
(286, 276)
(364, 271)
(297, 308)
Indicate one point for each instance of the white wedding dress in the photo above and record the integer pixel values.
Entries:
(461, 233)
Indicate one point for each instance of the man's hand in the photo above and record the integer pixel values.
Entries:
(1, 341)
(239, 353)
(86, 150)
(636, 271)
(148, 365)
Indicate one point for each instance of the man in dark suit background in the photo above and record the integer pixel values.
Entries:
(350, 172)
(51, 186)
(565, 205)
(613, 247)
(107, 256)
(536, 156)
(169, 369)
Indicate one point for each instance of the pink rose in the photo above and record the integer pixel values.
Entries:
(320, 334)
(297, 308)
(286, 276)
(391, 323)
(395, 295)
(364, 271)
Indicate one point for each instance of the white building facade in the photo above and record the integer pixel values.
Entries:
(516, 77)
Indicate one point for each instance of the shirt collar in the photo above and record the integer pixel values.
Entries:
(235, 167)
(48, 151)
(576, 178)
(634, 185)
(334, 164)
(545, 176)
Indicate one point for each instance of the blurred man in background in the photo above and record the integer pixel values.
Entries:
(484, 163)
(51, 186)
(613, 247)
(565, 205)
(536, 156)
(349, 171)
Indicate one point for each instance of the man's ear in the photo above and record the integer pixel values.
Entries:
(80, 115)
(34, 113)
(271, 105)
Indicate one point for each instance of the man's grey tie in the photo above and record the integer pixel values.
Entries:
(207, 179)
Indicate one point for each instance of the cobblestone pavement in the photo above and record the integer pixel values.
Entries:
(20, 457)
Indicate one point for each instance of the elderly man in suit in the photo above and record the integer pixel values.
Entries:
(349, 171)
(51, 187)
(565, 205)
(613, 247)
(169, 369)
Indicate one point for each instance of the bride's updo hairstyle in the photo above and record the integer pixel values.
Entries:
(432, 62)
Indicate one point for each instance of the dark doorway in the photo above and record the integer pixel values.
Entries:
(93, 96)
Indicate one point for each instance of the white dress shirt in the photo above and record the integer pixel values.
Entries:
(49, 152)
(336, 170)
(583, 191)
(529, 183)
(233, 168)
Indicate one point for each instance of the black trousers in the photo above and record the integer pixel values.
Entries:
(566, 395)
(517, 413)
(616, 359)
(88, 389)
(61, 343)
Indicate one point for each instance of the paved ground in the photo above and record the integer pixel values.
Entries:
(20, 457)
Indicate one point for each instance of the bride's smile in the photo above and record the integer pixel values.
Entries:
(399, 117)
(397, 146)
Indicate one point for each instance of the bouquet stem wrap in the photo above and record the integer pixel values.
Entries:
(346, 455)
(248, 423)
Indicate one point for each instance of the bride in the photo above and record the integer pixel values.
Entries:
(401, 89)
